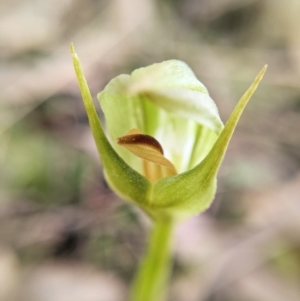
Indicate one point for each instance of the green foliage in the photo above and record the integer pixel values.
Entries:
(29, 160)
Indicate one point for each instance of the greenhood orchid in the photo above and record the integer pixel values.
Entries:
(163, 102)
(164, 145)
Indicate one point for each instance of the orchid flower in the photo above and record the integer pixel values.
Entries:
(164, 145)
(165, 141)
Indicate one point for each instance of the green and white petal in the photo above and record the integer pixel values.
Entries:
(166, 101)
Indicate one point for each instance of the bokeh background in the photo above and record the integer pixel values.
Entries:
(63, 234)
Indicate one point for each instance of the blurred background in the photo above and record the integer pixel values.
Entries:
(63, 234)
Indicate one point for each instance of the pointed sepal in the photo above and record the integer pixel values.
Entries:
(192, 192)
(125, 181)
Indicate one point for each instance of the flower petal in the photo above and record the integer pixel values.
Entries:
(165, 101)
(173, 86)
(185, 142)
(123, 112)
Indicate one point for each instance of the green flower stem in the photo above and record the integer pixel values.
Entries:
(151, 280)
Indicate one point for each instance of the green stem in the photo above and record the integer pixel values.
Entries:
(151, 279)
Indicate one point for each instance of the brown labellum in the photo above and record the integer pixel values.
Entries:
(141, 139)
(156, 166)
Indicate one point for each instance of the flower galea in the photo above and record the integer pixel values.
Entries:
(165, 140)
